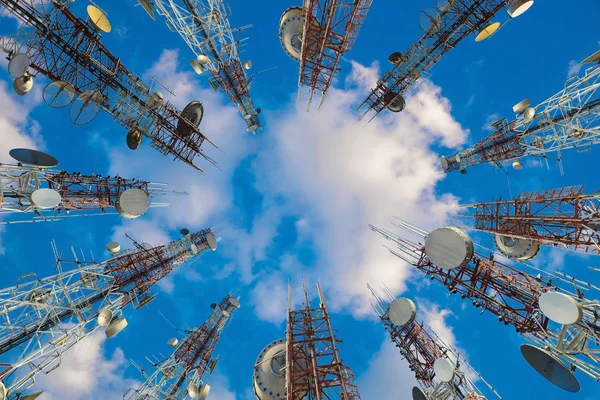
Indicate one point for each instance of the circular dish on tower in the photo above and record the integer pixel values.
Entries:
(291, 29)
(528, 114)
(45, 198)
(517, 248)
(194, 249)
(193, 112)
(418, 394)
(252, 127)
(517, 165)
(192, 390)
(449, 247)
(518, 7)
(173, 342)
(33, 157)
(59, 94)
(134, 138)
(18, 64)
(113, 247)
(115, 326)
(430, 20)
(487, 31)
(132, 203)
(269, 372)
(104, 317)
(147, 7)
(23, 85)
(402, 312)
(234, 302)
(204, 390)
(211, 241)
(550, 367)
(395, 102)
(444, 5)
(521, 106)
(395, 58)
(98, 19)
(85, 107)
(444, 162)
(444, 370)
(560, 308)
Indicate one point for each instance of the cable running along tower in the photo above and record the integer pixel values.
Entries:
(180, 375)
(564, 326)
(317, 35)
(570, 119)
(86, 77)
(444, 27)
(437, 366)
(204, 26)
(41, 319)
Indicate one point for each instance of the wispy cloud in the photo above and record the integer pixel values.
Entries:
(574, 68)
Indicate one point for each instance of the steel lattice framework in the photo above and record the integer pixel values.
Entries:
(421, 347)
(65, 48)
(192, 358)
(44, 318)
(314, 369)
(330, 30)
(564, 217)
(80, 193)
(204, 26)
(455, 21)
(569, 119)
(513, 296)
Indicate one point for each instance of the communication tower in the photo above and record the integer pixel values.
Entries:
(204, 26)
(564, 217)
(180, 375)
(317, 35)
(43, 318)
(444, 27)
(86, 77)
(306, 365)
(32, 187)
(436, 365)
(569, 119)
(562, 326)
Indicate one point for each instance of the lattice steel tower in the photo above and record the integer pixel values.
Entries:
(569, 119)
(437, 366)
(68, 51)
(180, 375)
(565, 326)
(42, 319)
(444, 27)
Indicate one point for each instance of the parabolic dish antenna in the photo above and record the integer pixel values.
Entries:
(518, 7)
(444, 5)
(85, 107)
(395, 102)
(269, 376)
(444, 162)
(418, 394)
(430, 20)
(17, 66)
(444, 370)
(248, 64)
(194, 249)
(517, 248)
(132, 203)
(529, 114)
(449, 247)
(202, 59)
(196, 66)
(595, 58)
(487, 31)
(402, 312)
(3, 391)
(204, 392)
(23, 85)
(104, 317)
(147, 7)
(45, 198)
(134, 138)
(113, 247)
(211, 241)
(156, 100)
(560, 308)
(115, 326)
(291, 28)
(33, 157)
(234, 302)
(173, 342)
(193, 112)
(521, 106)
(184, 231)
(59, 94)
(550, 368)
(192, 390)
(98, 19)
(395, 58)
(517, 165)
(252, 128)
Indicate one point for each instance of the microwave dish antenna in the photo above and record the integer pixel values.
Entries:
(59, 94)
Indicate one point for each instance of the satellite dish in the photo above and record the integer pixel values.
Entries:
(521, 106)
(247, 117)
(193, 112)
(550, 367)
(560, 308)
(145, 301)
(444, 370)
(33, 157)
(252, 127)
(529, 114)
(487, 31)
(291, 29)
(594, 58)
(395, 102)
(258, 110)
(213, 305)
(184, 232)
(415, 75)
(134, 138)
(173, 342)
(234, 302)
(226, 313)
(204, 392)
(517, 165)
(156, 100)
(269, 372)
(85, 107)
(198, 68)
(248, 64)
(148, 7)
(517, 248)
(449, 247)
(202, 59)
(518, 7)
(45, 198)
(115, 326)
(104, 317)
(23, 85)
(194, 249)
(3, 391)
(402, 312)
(444, 162)
(444, 5)
(430, 20)
(192, 390)
(132, 203)
(418, 394)
(396, 58)
(113, 247)
(59, 94)
(98, 19)
(211, 241)
(18, 65)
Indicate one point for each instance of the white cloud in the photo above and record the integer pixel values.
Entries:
(574, 68)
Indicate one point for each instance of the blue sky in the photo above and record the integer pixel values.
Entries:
(296, 199)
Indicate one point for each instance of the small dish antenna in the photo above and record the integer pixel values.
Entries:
(396, 58)
(132, 203)
(444, 162)
(430, 20)
(115, 326)
(3, 391)
(104, 317)
(145, 301)
(203, 59)
(98, 19)
(444, 370)
(192, 390)
(33, 157)
(134, 138)
(487, 31)
(147, 7)
(497, 123)
(198, 68)
(23, 85)
(518, 7)
(517, 248)
(449, 247)
(248, 64)
(402, 312)
(550, 367)
(444, 5)
(517, 165)
(45, 198)
(113, 247)
(291, 30)
(252, 127)
(156, 100)
(211, 241)
(521, 106)
(594, 58)
(18, 64)
(59, 94)
(528, 114)
(204, 392)
(234, 302)
(560, 308)
(85, 107)
(418, 394)
(184, 232)
(173, 342)
(194, 249)
(395, 102)
(193, 113)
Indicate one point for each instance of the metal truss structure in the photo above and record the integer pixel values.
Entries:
(80, 194)
(563, 217)
(43, 318)
(181, 373)
(444, 28)
(204, 26)
(513, 296)
(67, 50)
(330, 30)
(569, 119)
(314, 369)
(421, 348)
